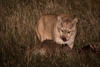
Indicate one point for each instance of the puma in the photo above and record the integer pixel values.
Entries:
(59, 28)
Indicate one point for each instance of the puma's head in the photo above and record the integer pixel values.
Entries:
(67, 27)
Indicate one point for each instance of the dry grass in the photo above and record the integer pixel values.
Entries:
(17, 35)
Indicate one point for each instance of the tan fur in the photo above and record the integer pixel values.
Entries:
(59, 28)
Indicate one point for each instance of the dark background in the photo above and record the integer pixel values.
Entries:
(17, 34)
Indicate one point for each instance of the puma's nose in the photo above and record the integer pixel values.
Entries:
(63, 38)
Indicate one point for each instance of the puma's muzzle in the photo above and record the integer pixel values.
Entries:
(63, 38)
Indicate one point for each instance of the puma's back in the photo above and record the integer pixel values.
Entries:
(44, 26)
(60, 28)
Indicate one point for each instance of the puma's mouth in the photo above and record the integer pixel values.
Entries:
(64, 39)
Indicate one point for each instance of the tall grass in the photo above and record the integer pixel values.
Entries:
(17, 34)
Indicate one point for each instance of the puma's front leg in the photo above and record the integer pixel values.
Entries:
(71, 45)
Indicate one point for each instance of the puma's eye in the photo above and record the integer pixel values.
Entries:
(68, 32)
(62, 31)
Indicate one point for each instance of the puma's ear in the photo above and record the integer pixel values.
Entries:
(75, 21)
(59, 18)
